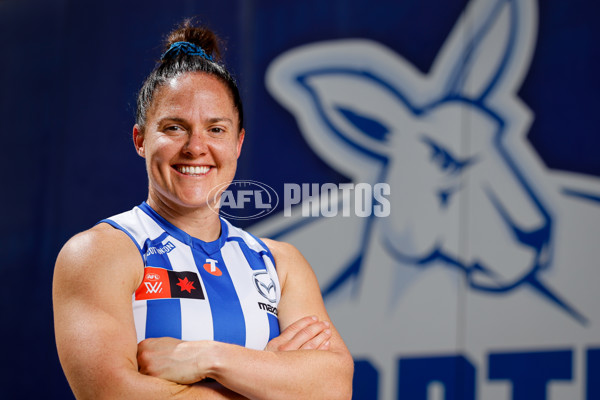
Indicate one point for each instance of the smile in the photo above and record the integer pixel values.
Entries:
(192, 170)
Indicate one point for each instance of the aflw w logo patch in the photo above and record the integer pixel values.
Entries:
(160, 283)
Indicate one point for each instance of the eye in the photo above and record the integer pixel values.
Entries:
(444, 159)
(367, 125)
(174, 128)
(217, 129)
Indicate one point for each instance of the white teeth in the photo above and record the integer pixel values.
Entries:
(187, 170)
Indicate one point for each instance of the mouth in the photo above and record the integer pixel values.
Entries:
(192, 170)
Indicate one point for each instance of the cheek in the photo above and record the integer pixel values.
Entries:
(226, 151)
(161, 149)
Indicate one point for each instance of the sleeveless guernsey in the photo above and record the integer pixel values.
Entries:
(226, 290)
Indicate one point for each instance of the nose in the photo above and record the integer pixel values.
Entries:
(195, 145)
(533, 232)
(519, 206)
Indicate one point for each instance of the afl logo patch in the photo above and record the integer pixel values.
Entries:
(265, 285)
(152, 276)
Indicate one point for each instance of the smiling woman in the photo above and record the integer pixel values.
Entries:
(191, 141)
(168, 300)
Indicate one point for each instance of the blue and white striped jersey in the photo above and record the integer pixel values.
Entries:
(226, 290)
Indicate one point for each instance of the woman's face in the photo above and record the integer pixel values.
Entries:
(191, 141)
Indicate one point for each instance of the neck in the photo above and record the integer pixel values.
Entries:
(199, 222)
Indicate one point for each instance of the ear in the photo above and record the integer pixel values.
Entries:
(241, 137)
(489, 49)
(138, 140)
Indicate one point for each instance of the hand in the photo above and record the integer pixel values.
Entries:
(307, 333)
(173, 359)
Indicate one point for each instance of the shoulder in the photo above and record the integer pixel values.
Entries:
(290, 263)
(254, 243)
(97, 254)
(281, 250)
(100, 241)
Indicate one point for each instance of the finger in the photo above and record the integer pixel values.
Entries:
(321, 341)
(289, 332)
(325, 346)
(305, 335)
(293, 329)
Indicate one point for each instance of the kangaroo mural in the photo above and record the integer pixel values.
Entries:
(473, 207)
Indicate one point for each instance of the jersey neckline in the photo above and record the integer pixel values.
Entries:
(182, 236)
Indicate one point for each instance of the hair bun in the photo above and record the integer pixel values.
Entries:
(200, 36)
(188, 49)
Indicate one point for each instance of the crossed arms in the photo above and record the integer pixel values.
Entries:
(95, 276)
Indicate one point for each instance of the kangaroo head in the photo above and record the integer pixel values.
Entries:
(442, 141)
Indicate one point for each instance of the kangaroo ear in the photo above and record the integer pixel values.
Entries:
(350, 115)
(346, 107)
(357, 108)
(489, 49)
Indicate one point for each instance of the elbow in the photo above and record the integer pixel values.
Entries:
(349, 379)
(93, 391)
(343, 385)
(111, 384)
(342, 393)
(342, 390)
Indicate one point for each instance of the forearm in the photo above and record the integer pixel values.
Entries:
(131, 385)
(266, 375)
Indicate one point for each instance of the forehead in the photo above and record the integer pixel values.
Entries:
(450, 124)
(193, 93)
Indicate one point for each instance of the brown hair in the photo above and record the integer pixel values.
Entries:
(172, 66)
(202, 37)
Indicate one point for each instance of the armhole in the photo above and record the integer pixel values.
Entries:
(119, 227)
(267, 251)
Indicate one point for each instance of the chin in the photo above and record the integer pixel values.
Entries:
(191, 202)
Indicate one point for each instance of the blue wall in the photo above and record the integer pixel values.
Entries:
(68, 79)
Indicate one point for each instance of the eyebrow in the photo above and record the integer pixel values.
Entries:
(174, 119)
(182, 120)
(220, 119)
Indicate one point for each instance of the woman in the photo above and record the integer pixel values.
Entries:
(170, 301)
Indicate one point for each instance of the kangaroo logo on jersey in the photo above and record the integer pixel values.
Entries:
(265, 285)
(160, 283)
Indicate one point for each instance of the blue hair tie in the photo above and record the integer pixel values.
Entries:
(185, 48)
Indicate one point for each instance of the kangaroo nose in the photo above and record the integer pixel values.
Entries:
(525, 216)
(528, 221)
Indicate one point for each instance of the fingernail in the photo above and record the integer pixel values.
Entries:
(326, 324)
(314, 317)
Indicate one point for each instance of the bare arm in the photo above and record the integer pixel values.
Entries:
(95, 276)
(291, 372)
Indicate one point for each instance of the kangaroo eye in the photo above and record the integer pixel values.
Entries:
(369, 126)
(444, 159)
